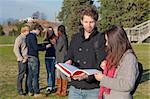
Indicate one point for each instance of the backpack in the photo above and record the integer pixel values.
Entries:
(138, 80)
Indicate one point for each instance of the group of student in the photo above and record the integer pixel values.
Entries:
(26, 50)
(110, 52)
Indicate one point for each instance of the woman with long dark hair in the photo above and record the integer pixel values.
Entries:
(61, 51)
(120, 69)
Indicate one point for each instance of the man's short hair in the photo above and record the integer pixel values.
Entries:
(36, 26)
(89, 11)
(25, 28)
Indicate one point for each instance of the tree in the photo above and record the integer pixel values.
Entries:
(13, 32)
(17, 31)
(39, 15)
(127, 13)
(36, 15)
(1, 30)
(43, 16)
(69, 14)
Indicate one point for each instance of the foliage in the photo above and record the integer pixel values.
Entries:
(39, 15)
(69, 14)
(43, 16)
(36, 15)
(19, 26)
(14, 32)
(127, 13)
(1, 30)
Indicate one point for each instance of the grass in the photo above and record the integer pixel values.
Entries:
(143, 53)
(7, 39)
(11, 39)
(9, 70)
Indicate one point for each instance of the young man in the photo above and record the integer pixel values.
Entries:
(20, 50)
(86, 51)
(33, 60)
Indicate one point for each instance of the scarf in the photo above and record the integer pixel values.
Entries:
(109, 72)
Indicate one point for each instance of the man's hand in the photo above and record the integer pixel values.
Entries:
(80, 76)
(69, 62)
(24, 60)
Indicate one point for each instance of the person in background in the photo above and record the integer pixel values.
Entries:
(20, 50)
(86, 51)
(33, 60)
(50, 38)
(61, 51)
(120, 69)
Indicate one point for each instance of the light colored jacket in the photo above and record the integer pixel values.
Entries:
(20, 48)
(124, 79)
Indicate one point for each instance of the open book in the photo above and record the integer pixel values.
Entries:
(70, 70)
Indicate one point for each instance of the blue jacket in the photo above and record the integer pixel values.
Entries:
(32, 45)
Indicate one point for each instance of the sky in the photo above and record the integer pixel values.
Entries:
(20, 9)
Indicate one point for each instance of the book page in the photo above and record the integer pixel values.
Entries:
(90, 71)
(70, 70)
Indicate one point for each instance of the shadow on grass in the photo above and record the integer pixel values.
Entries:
(145, 76)
(43, 88)
(147, 70)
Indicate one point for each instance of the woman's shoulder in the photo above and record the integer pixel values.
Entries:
(128, 57)
(129, 54)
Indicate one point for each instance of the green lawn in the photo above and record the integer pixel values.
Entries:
(11, 39)
(7, 39)
(9, 69)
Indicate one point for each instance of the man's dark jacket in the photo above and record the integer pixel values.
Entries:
(87, 53)
(32, 45)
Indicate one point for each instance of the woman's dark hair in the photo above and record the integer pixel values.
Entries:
(49, 34)
(61, 28)
(51, 28)
(118, 44)
(62, 32)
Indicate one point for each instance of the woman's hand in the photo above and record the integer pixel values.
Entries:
(98, 76)
(103, 64)
(48, 45)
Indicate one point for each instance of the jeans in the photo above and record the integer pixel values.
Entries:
(75, 93)
(33, 74)
(50, 67)
(22, 70)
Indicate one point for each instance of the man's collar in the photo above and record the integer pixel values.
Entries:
(94, 32)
